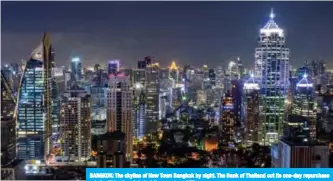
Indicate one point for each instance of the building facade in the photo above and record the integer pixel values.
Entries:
(76, 124)
(119, 109)
(272, 70)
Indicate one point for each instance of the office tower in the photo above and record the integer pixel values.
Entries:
(138, 77)
(227, 121)
(143, 64)
(304, 103)
(35, 104)
(152, 97)
(272, 71)
(113, 66)
(111, 147)
(76, 124)
(8, 75)
(76, 69)
(98, 121)
(240, 66)
(119, 109)
(174, 73)
(237, 93)
(251, 112)
(212, 77)
(8, 122)
(139, 123)
(219, 72)
(294, 149)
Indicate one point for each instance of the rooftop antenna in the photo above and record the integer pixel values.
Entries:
(272, 15)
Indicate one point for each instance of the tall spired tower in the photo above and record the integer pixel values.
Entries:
(272, 72)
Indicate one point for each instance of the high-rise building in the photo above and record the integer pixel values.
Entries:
(272, 71)
(212, 76)
(113, 66)
(8, 122)
(174, 73)
(251, 112)
(294, 149)
(35, 104)
(228, 122)
(119, 109)
(76, 124)
(138, 77)
(139, 123)
(304, 103)
(76, 69)
(152, 97)
(143, 64)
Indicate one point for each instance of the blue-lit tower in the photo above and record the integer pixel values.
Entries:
(272, 72)
(304, 103)
(35, 104)
(76, 74)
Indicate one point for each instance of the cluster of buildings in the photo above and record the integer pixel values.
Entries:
(52, 113)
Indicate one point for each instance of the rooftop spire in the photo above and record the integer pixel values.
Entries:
(272, 15)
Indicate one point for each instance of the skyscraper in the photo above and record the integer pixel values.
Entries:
(35, 104)
(251, 111)
(8, 122)
(272, 71)
(113, 66)
(76, 124)
(152, 96)
(119, 109)
(76, 74)
(139, 123)
(228, 121)
(304, 103)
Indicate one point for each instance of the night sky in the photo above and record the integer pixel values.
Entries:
(194, 33)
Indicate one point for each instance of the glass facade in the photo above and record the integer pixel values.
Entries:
(30, 112)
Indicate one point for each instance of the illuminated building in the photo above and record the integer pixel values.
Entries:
(294, 149)
(174, 72)
(98, 121)
(251, 112)
(219, 77)
(152, 96)
(8, 122)
(113, 66)
(228, 122)
(304, 103)
(76, 69)
(119, 108)
(138, 76)
(212, 77)
(237, 93)
(35, 104)
(211, 142)
(143, 64)
(139, 122)
(272, 70)
(76, 124)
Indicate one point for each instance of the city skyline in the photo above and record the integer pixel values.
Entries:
(210, 32)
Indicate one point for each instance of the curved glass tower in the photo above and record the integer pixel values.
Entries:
(35, 104)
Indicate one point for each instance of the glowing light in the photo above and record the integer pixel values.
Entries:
(173, 66)
(272, 15)
(304, 85)
(138, 86)
(251, 86)
(75, 59)
(231, 64)
(251, 75)
(305, 75)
